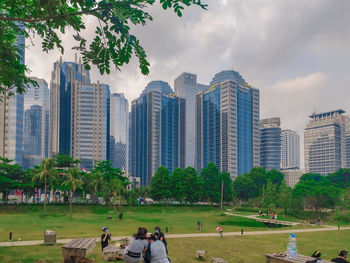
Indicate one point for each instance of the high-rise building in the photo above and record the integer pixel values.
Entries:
(324, 142)
(158, 131)
(290, 149)
(90, 121)
(292, 176)
(11, 118)
(119, 131)
(270, 143)
(186, 87)
(36, 124)
(227, 125)
(65, 78)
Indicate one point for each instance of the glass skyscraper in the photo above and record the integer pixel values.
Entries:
(119, 131)
(36, 124)
(157, 131)
(227, 125)
(270, 143)
(290, 149)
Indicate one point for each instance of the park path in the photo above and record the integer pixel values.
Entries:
(169, 236)
(256, 217)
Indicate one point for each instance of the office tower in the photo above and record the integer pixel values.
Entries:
(227, 125)
(186, 87)
(270, 143)
(129, 144)
(90, 122)
(324, 142)
(36, 124)
(11, 118)
(65, 78)
(158, 131)
(119, 131)
(292, 176)
(290, 149)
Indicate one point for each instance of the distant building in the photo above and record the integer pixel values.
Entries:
(290, 149)
(90, 122)
(270, 143)
(158, 131)
(186, 87)
(292, 176)
(119, 131)
(227, 125)
(36, 124)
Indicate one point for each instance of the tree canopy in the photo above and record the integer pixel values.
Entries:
(112, 43)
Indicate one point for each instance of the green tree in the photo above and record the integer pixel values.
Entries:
(275, 176)
(284, 197)
(160, 185)
(73, 182)
(211, 183)
(269, 196)
(177, 184)
(193, 185)
(312, 177)
(9, 176)
(228, 186)
(46, 173)
(112, 42)
(340, 178)
(245, 188)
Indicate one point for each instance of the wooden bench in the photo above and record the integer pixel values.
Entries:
(299, 259)
(77, 249)
(200, 253)
(218, 260)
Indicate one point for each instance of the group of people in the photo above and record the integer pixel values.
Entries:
(152, 246)
(341, 258)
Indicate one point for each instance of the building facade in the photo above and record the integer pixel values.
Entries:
(36, 124)
(227, 125)
(186, 87)
(270, 143)
(157, 131)
(90, 122)
(290, 149)
(65, 78)
(119, 131)
(292, 176)
(325, 142)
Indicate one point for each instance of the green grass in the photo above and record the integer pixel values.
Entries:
(27, 223)
(246, 249)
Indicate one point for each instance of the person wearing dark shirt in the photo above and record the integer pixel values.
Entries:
(342, 255)
(105, 237)
(160, 236)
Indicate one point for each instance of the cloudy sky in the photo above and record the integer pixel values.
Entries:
(297, 52)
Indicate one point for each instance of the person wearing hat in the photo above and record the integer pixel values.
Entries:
(342, 255)
(105, 237)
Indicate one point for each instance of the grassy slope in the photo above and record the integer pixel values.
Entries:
(247, 249)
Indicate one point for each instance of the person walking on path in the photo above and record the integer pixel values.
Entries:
(219, 229)
(105, 237)
(138, 245)
(342, 255)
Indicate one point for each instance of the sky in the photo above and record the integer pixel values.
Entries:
(296, 52)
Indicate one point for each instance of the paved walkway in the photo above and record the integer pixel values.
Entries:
(169, 236)
(257, 218)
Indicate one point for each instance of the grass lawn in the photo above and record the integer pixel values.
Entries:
(26, 223)
(247, 249)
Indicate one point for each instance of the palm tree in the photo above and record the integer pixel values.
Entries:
(74, 182)
(47, 172)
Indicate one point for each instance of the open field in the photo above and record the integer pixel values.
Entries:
(247, 249)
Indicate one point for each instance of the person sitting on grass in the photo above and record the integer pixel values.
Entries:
(138, 245)
(342, 255)
(156, 252)
(105, 237)
(160, 236)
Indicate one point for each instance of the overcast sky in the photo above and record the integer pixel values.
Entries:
(297, 52)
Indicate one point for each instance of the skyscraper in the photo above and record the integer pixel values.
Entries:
(90, 122)
(157, 131)
(290, 149)
(11, 118)
(65, 78)
(119, 131)
(227, 125)
(324, 139)
(270, 143)
(186, 87)
(36, 124)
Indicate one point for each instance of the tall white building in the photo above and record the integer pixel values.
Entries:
(36, 124)
(186, 87)
(119, 131)
(324, 139)
(290, 149)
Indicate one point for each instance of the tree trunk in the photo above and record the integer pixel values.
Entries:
(45, 197)
(70, 203)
